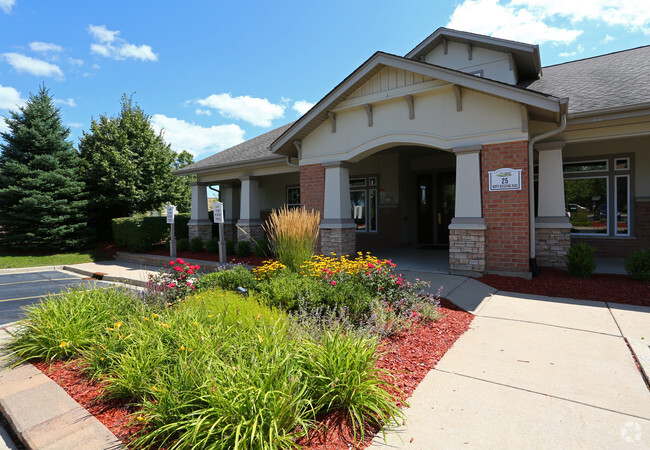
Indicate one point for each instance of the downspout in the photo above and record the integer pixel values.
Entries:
(290, 163)
(564, 103)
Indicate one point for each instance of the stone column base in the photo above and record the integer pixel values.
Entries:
(203, 231)
(341, 241)
(230, 231)
(467, 251)
(551, 246)
(250, 232)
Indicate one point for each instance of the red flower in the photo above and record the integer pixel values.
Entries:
(371, 265)
(333, 283)
(171, 263)
(180, 261)
(197, 267)
(190, 271)
(172, 284)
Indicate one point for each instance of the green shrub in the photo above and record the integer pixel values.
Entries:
(229, 279)
(638, 265)
(139, 233)
(289, 291)
(243, 249)
(182, 244)
(293, 233)
(230, 246)
(212, 245)
(580, 260)
(262, 248)
(196, 245)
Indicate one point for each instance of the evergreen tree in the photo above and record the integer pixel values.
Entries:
(128, 167)
(42, 203)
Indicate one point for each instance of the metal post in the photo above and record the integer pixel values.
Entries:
(172, 242)
(222, 245)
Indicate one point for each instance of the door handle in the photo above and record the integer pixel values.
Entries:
(439, 218)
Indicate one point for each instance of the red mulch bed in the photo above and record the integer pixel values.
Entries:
(558, 283)
(408, 356)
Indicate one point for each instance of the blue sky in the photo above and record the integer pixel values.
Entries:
(214, 73)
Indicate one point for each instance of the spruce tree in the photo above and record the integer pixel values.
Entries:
(42, 196)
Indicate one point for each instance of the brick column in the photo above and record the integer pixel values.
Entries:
(199, 224)
(506, 212)
(312, 190)
(337, 227)
(552, 226)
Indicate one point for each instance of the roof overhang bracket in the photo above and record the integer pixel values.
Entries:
(298, 144)
(469, 52)
(459, 98)
(368, 107)
(409, 102)
(444, 45)
(332, 117)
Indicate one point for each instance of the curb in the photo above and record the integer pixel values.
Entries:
(63, 423)
(641, 350)
(29, 269)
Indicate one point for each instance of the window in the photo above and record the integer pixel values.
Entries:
(363, 203)
(293, 196)
(597, 196)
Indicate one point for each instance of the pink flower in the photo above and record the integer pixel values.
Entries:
(189, 283)
(172, 284)
(399, 282)
(371, 265)
(197, 267)
(380, 288)
(171, 263)
(333, 283)
(415, 313)
(190, 271)
(180, 261)
(192, 287)
(178, 268)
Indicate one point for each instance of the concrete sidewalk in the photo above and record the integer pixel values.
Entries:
(534, 372)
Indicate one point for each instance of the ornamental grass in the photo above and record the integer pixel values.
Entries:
(293, 233)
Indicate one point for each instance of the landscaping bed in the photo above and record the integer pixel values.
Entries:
(558, 283)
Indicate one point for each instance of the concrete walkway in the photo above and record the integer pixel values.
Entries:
(533, 372)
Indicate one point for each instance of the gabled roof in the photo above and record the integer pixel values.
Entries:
(526, 56)
(253, 149)
(318, 114)
(615, 80)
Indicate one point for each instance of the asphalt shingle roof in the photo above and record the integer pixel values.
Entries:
(249, 150)
(607, 81)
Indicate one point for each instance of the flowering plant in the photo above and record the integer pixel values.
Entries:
(175, 281)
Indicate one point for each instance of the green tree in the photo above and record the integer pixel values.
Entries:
(128, 167)
(42, 196)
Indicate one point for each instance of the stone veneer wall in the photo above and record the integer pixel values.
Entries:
(551, 247)
(341, 241)
(506, 212)
(201, 231)
(250, 233)
(467, 251)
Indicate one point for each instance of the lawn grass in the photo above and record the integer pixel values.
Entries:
(14, 260)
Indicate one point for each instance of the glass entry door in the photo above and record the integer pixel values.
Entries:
(446, 205)
(436, 207)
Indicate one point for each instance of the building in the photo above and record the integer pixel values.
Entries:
(466, 142)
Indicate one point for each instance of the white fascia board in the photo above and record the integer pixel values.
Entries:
(233, 166)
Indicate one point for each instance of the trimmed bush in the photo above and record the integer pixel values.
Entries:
(638, 265)
(243, 249)
(262, 248)
(139, 233)
(230, 246)
(580, 260)
(212, 245)
(229, 279)
(182, 244)
(196, 245)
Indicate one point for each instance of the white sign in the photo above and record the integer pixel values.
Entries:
(170, 213)
(505, 179)
(218, 212)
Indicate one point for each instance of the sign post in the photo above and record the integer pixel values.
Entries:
(171, 210)
(217, 208)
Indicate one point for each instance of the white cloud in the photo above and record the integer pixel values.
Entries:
(44, 47)
(67, 101)
(631, 14)
(491, 18)
(10, 98)
(607, 39)
(4, 128)
(198, 140)
(302, 106)
(258, 111)
(567, 54)
(33, 66)
(76, 62)
(6, 5)
(110, 45)
(75, 124)
(203, 112)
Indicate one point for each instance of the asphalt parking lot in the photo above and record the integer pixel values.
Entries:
(21, 289)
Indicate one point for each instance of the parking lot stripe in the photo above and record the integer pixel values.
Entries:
(27, 298)
(38, 281)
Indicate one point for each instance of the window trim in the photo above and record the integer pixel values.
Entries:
(367, 187)
(292, 205)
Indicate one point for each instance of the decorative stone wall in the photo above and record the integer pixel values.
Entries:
(467, 251)
(250, 232)
(230, 231)
(341, 241)
(551, 246)
(201, 231)
(506, 212)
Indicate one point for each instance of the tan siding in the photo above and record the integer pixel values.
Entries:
(387, 79)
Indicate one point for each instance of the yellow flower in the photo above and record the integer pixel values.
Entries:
(102, 346)
(101, 359)
(140, 419)
(109, 329)
(118, 325)
(63, 344)
(155, 315)
(182, 348)
(147, 319)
